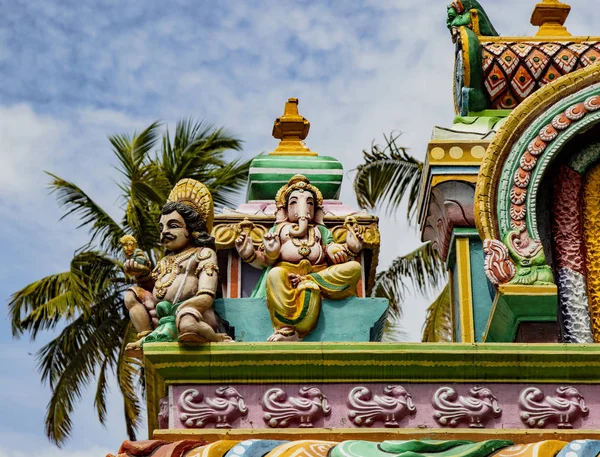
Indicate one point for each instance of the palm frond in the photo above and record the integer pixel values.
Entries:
(102, 227)
(438, 323)
(127, 372)
(422, 267)
(44, 303)
(388, 174)
(393, 330)
(69, 362)
(102, 390)
(133, 151)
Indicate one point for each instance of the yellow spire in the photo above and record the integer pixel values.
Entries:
(291, 129)
(550, 16)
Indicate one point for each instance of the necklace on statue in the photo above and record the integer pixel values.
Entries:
(305, 245)
(169, 265)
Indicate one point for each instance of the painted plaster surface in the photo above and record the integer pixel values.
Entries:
(422, 399)
(350, 319)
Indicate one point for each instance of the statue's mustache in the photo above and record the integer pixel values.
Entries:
(167, 236)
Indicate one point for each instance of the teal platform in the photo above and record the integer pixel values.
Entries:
(353, 319)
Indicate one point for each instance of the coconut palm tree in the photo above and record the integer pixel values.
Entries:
(389, 176)
(87, 300)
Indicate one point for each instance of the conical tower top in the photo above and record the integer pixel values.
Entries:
(291, 129)
(550, 16)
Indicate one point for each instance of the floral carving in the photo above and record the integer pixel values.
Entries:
(564, 408)
(280, 409)
(480, 406)
(498, 266)
(390, 408)
(223, 409)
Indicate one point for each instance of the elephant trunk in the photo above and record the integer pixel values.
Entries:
(299, 230)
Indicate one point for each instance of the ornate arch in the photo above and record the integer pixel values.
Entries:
(515, 162)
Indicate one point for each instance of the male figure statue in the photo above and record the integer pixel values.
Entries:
(185, 279)
(303, 263)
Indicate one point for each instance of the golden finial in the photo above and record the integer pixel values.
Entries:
(550, 16)
(291, 129)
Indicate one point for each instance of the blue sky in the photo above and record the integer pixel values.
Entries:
(74, 71)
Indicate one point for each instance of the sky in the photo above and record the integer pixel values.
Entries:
(73, 72)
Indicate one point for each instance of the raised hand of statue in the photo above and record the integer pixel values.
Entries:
(244, 246)
(354, 238)
(134, 269)
(272, 245)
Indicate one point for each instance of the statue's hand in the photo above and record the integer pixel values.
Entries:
(244, 246)
(134, 269)
(354, 239)
(272, 245)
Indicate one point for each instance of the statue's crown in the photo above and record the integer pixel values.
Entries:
(297, 182)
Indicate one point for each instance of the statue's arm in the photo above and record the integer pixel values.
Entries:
(207, 273)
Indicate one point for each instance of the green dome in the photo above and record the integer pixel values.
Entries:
(269, 173)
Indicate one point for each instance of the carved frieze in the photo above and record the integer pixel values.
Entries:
(280, 409)
(364, 408)
(564, 408)
(197, 410)
(475, 409)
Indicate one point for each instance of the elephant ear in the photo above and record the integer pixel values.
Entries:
(319, 215)
(281, 215)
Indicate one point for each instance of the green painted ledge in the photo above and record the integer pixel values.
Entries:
(515, 304)
(218, 363)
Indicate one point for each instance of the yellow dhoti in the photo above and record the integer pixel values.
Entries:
(299, 307)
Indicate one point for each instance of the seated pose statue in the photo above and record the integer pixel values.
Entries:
(302, 261)
(180, 294)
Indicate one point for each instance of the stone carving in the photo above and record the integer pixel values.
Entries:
(469, 13)
(530, 261)
(498, 266)
(223, 409)
(451, 205)
(295, 253)
(226, 234)
(183, 285)
(518, 226)
(390, 408)
(564, 408)
(163, 415)
(480, 406)
(280, 409)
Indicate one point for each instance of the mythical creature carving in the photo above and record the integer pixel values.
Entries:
(301, 260)
(390, 408)
(223, 409)
(469, 13)
(478, 408)
(529, 257)
(564, 408)
(280, 409)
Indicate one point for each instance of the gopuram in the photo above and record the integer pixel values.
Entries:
(257, 330)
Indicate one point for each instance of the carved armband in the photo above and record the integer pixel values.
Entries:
(250, 259)
(206, 292)
(209, 267)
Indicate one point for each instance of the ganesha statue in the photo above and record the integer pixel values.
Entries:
(302, 262)
(174, 302)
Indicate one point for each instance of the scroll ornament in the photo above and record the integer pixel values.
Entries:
(564, 408)
(223, 409)
(450, 409)
(390, 408)
(280, 409)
